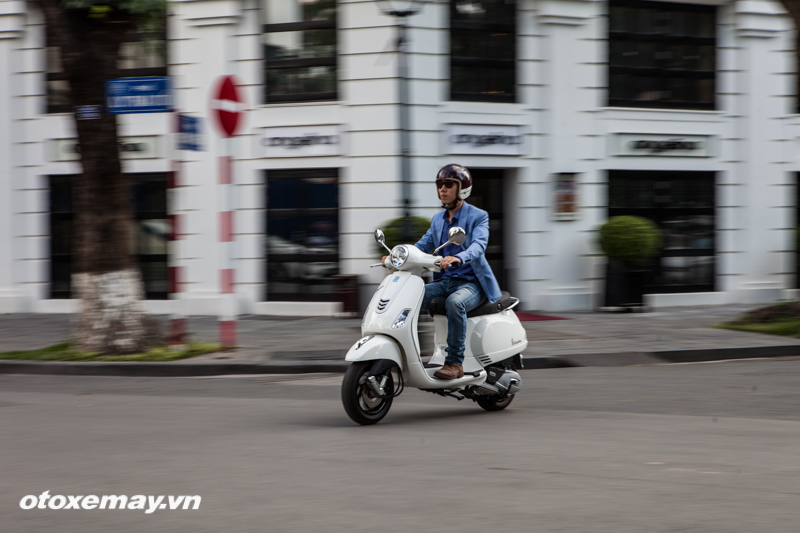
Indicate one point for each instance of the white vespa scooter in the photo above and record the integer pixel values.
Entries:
(388, 356)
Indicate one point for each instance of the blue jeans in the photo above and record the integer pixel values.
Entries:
(462, 297)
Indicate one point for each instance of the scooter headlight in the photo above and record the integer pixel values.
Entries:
(401, 319)
(399, 256)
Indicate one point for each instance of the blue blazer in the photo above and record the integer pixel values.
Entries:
(476, 223)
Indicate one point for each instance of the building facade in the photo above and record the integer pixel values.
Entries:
(567, 112)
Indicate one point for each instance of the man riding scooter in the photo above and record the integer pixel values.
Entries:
(466, 279)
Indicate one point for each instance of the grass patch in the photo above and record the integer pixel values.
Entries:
(780, 319)
(63, 352)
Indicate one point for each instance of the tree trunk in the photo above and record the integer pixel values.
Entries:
(105, 275)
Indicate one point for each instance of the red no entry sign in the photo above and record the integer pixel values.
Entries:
(227, 105)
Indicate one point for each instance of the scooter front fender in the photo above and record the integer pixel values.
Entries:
(374, 347)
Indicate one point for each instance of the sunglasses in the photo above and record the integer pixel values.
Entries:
(447, 184)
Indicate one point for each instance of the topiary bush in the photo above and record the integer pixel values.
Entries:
(394, 231)
(629, 239)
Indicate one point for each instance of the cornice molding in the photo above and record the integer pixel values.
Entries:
(12, 19)
(757, 19)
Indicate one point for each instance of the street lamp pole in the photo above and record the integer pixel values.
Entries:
(401, 13)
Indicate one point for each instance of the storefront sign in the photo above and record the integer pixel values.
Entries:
(479, 139)
(129, 148)
(632, 144)
(565, 196)
(303, 141)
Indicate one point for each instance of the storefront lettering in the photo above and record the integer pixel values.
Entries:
(485, 140)
(123, 147)
(670, 145)
(297, 142)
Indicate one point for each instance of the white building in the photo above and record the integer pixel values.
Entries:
(567, 111)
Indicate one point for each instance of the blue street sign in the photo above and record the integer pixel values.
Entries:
(88, 112)
(190, 133)
(138, 95)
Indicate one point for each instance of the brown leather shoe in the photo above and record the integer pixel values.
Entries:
(449, 371)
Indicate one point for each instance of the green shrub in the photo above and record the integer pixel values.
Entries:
(394, 231)
(629, 239)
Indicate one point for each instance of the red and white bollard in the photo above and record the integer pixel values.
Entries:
(177, 337)
(227, 278)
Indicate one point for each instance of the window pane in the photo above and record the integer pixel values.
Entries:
(498, 11)
(301, 44)
(303, 80)
(682, 205)
(684, 271)
(152, 236)
(302, 244)
(285, 11)
(471, 80)
(150, 196)
(480, 44)
(147, 53)
(149, 235)
(61, 236)
(57, 93)
(662, 36)
(60, 276)
(475, 72)
(155, 277)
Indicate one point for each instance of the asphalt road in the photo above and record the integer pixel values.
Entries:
(708, 448)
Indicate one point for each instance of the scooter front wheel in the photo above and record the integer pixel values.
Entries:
(493, 403)
(360, 402)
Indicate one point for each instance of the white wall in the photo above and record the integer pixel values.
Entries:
(560, 113)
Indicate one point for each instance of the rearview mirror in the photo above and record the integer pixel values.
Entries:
(380, 238)
(457, 235)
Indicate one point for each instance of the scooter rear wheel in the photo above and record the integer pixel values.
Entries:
(492, 403)
(360, 402)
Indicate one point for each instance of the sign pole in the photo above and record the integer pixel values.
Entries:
(226, 102)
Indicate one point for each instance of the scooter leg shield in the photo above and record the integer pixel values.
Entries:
(373, 348)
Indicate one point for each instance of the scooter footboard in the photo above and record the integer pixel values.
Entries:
(375, 347)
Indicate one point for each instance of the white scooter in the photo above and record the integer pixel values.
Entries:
(388, 356)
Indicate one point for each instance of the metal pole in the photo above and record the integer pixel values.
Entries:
(405, 149)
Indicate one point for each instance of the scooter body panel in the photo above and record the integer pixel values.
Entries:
(397, 293)
(376, 347)
(490, 339)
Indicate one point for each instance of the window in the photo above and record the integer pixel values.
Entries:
(141, 54)
(682, 205)
(151, 233)
(483, 50)
(300, 50)
(302, 247)
(662, 55)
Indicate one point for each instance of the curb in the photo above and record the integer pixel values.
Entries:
(167, 369)
(719, 354)
(130, 369)
(69, 368)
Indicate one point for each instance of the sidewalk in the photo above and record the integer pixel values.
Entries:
(296, 345)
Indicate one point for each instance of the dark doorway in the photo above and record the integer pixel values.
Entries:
(682, 205)
(487, 194)
(302, 247)
(150, 233)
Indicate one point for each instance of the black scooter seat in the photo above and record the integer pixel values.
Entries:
(437, 306)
